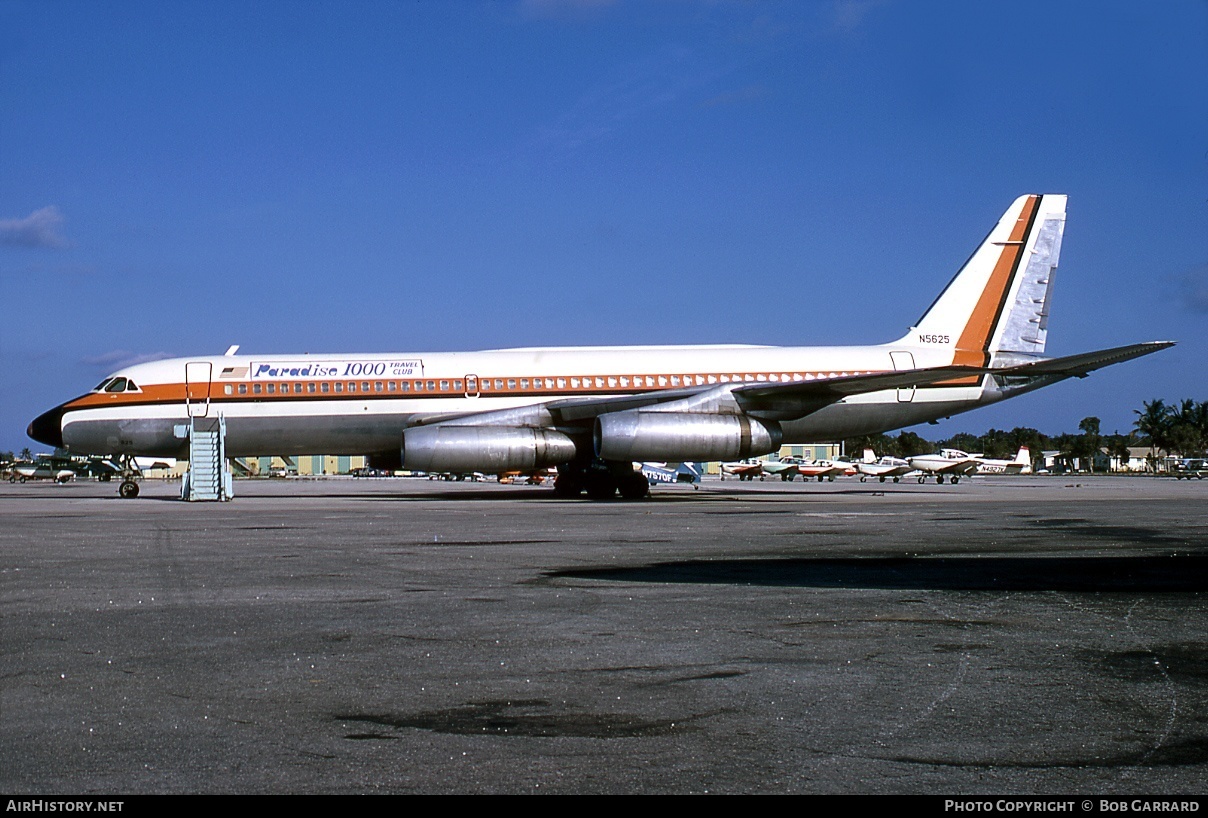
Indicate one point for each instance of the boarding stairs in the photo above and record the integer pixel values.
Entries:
(208, 477)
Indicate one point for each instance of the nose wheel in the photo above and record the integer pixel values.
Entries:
(128, 489)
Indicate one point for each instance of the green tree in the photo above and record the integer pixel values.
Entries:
(1088, 446)
(1155, 423)
(911, 444)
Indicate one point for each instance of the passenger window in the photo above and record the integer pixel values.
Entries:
(392, 386)
(457, 386)
(256, 389)
(405, 386)
(310, 387)
(352, 387)
(365, 386)
(297, 389)
(377, 387)
(243, 389)
(524, 383)
(339, 386)
(324, 387)
(272, 388)
(431, 385)
(511, 383)
(227, 389)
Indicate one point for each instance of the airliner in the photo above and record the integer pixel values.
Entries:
(592, 412)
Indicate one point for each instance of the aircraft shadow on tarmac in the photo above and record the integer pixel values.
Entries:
(1180, 573)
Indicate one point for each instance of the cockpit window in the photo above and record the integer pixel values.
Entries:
(131, 386)
(117, 385)
(100, 387)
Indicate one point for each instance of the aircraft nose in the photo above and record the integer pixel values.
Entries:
(48, 428)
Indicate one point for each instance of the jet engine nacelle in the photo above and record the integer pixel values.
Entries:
(681, 436)
(489, 449)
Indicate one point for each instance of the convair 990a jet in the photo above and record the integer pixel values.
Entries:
(594, 411)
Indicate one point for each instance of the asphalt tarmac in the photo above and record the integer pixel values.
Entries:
(1020, 635)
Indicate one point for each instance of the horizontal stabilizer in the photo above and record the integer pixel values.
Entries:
(1079, 366)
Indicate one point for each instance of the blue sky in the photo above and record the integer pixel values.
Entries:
(176, 177)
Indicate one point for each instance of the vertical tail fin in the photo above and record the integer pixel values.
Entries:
(999, 301)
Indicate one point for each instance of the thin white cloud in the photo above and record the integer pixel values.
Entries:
(38, 229)
(639, 89)
(849, 15)
(561, 8)
(746, 94)
(122, 358)
(1193, 288)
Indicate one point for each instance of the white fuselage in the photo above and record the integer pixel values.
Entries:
(336, 404)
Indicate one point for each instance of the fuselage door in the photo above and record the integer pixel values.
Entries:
(197, 388)
(903, 361)
(471, 386)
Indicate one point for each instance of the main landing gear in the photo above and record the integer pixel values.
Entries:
(601, 481)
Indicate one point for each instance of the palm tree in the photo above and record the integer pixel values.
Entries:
(1090, 440)
(1155, 423)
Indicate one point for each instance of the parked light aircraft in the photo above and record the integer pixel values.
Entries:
(43, 469)
(952, 463)
(663, 473)
(886, 467)
(786, 469)
(744, 469)
(824, 469)
(1021, 462)
(593, 412)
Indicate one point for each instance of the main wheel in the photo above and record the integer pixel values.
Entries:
(567, 487)
(634, 486)
(601, 487)
(128, 490)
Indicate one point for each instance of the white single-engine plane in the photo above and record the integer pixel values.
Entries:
(594, 411)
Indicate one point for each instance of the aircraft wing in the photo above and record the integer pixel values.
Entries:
(796, 399)
(1079, 366)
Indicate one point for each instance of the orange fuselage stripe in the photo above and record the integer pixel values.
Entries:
(285, 390)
